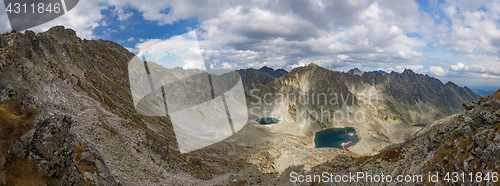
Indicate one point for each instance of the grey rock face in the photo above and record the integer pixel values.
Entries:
(51, 145)
(87, 158)
(468, 106)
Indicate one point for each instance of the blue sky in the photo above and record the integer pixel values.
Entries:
(452, 40)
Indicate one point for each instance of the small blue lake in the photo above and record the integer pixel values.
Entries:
(419, 125)
(341, 138)
(267, 121)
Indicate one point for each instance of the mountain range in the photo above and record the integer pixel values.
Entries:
(67, 116)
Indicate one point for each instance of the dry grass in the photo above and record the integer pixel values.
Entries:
(21, 171)
(14, 122)
(496, 95)
(82, 167)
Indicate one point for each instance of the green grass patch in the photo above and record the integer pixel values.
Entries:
(383, 135)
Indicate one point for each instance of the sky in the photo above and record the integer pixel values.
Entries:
(451, 40)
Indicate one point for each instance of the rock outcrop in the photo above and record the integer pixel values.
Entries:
(59, 153)
(50, 144)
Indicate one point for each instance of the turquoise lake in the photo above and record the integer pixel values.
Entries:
(267, 121)
(341, 138)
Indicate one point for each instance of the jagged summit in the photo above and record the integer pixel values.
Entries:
(412, 88)
(355, 71)
(449, 83)
(408, 71)
(276, 73)
(61, 30)
(380, 71)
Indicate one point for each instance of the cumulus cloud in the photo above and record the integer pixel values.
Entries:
(489, 66)
(416, 68)
(473, 27)
(438, 71)
(178, 51)
(342, 57)
(288, 36)
(282, 33)
(459, 66)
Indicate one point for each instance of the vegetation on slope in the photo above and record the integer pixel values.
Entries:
(14, 122)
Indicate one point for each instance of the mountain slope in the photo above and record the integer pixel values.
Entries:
(253, 76)
(468, 143)
(413, 89)
(87, 80)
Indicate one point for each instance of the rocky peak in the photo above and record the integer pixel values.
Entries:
(408, 71)
(355, 71)
(333, 70)
(61, 30)
(451, 84)
(319, 80)
(276, 73)
(313, 65)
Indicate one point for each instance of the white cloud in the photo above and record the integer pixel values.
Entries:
(83, 18)
(459, 66)
(227, 65)
(436, 70)
(342, 57)
(178, 51)
(415, 68)
(473, 28)
(122, 15)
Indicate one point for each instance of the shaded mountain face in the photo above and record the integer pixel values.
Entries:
(383, 108)
(355, 71)
(409, 87)
(276, 73)
(306, 81)
(250, 76)
(380, 71)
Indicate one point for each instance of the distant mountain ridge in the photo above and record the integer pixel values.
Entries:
(380, 71)
(261, 76)
(407, 86)
(276, 73)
